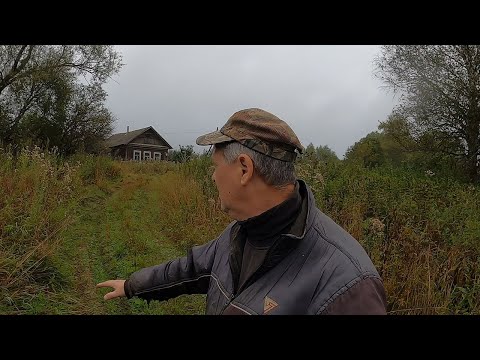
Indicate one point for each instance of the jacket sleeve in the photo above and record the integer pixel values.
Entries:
(367, 297)
(186, 275)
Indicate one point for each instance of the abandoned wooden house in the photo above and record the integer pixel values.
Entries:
(138, 145)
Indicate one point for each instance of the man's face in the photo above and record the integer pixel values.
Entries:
(227, 182)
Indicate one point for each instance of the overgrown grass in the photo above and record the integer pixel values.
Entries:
(66, 225)
(421, 231)
(36, 193)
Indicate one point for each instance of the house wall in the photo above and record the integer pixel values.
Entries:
(130, 149)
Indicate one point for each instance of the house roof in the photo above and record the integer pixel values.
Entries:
(125, 138)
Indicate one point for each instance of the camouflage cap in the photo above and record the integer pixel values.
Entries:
(258, 130)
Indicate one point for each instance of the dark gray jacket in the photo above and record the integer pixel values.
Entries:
(321, 270)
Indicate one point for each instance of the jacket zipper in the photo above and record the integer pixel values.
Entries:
(228, 302)
(249, 281)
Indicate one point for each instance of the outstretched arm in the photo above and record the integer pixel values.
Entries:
(186, 275)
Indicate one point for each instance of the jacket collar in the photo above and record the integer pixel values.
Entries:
(307, 220)
(262, 229)
(283, 245)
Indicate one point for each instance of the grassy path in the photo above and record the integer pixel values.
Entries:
(115, 232)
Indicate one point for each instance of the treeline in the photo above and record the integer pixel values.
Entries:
(52, 96)
(436, 126)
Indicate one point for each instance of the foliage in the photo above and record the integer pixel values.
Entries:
(420, 229)
(440, 99)
(184, 154)
(52, 96)
(367, 151)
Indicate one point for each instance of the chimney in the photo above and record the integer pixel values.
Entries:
(128, 128)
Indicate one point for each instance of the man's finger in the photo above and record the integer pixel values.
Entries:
(110, 295)
(104, 284)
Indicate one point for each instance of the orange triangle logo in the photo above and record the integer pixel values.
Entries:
(268, 305)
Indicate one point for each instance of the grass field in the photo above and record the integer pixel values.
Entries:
(66, 225)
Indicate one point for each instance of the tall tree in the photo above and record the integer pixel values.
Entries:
(321, 153)
(53, 94)
(23, 61)
(324, 153)
(439, 89)
(367, 151)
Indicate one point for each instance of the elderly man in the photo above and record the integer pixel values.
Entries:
(281, 254)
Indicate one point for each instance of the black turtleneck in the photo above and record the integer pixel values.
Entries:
(261, 232)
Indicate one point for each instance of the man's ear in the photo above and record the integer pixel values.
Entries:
(246, 165)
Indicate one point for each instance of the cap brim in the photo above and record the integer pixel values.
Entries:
(212, 138)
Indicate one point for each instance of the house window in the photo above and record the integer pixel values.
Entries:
(147, 155)
(137, 155)
(157, 155)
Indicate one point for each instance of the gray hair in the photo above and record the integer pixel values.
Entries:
(274, 172)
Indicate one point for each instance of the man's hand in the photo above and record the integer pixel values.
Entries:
(118, 289)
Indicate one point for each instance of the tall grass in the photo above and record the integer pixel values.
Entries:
(35, 194)
(188, 205)
(421, 231)
(39, 193)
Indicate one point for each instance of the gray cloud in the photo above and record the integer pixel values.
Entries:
(327, 94)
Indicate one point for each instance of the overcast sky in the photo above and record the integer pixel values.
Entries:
(327, 94)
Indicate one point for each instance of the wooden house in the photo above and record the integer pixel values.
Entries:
(138, 145)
